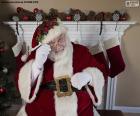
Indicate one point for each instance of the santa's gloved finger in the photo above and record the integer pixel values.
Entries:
(44, 48)
(79, 87)
(74, 82)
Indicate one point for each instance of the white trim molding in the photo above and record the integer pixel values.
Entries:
(127, 109)
(84, 32)
(112, 105)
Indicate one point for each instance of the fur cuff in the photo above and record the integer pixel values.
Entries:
(54, 33)
(25, 82)
(97, 82)
(17, 49)
(22, 111)
(111, 43)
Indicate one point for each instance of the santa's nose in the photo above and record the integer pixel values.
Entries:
(55, 44)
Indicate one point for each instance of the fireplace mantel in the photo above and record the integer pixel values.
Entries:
(83, 32)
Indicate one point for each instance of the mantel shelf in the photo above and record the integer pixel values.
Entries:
(83, 32)
(80, 22)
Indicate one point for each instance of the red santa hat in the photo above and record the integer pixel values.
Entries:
(46, 32)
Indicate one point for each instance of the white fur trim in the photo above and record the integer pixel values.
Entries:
(17, 49)
(111, 43)
(90, 94)
(107, 44)
(97, 82)
(65, 106)
(96, 112)
(25, 81)
(95, 49)
(54, 33)
(22, 111)
(63, 61)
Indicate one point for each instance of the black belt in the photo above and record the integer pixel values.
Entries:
(63, 86)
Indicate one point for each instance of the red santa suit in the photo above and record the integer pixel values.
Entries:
(42, 102)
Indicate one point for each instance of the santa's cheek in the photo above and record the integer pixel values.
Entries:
(59, 48)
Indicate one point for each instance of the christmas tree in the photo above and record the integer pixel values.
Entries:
(8, 92)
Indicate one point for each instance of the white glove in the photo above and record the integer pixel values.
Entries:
(80, 79)
(41, 55)
(40, 58)
(18, 46)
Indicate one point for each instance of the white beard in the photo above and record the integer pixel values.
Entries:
(53, 55)
(63, 66)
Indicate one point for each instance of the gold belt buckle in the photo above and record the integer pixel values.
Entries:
(59, 92)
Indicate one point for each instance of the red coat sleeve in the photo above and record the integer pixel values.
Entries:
(92, 61)
(83, 59)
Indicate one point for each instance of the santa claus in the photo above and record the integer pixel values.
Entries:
(60, 78)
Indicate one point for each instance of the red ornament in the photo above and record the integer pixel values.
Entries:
(25, 18)
(46, 29)
(2, 46)
(35, 10)
(2, 50)
(2, 90)
(124, 17)
(68, 18)
(19, 9)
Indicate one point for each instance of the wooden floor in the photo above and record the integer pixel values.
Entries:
(132, 114)
(13, 113)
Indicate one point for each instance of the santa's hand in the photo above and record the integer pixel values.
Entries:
(41, 55)
(80, 79)
(40, 58)
(18, 47)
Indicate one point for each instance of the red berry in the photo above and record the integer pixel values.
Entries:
(19, 9)
(68, 18)
(2, 49)
(25, 18)
(35, 10)
(2, 90)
